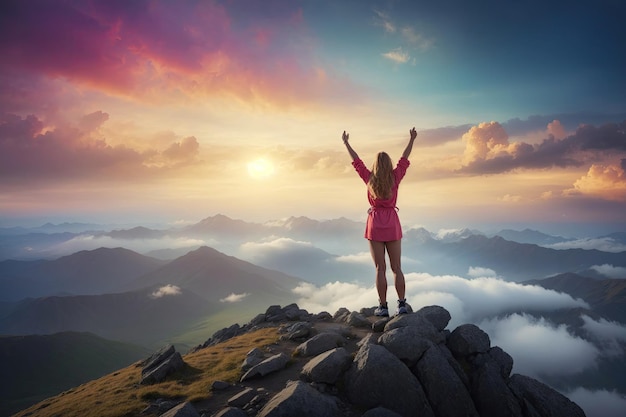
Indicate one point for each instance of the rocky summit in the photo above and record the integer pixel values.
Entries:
(355, 364)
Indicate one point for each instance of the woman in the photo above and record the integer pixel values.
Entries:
(383, 228)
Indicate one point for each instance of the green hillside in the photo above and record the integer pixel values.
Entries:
(39, 366)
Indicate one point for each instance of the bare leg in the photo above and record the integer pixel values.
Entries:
(377, 250)
(394, 249)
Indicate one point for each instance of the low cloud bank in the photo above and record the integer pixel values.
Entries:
(467, 300)
(605, 244)
(610, 271)
(601, 403)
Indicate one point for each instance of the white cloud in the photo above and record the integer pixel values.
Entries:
(539, 348)
(467, 300)
(610, 271)
(601, 403)
(234, 298)
(398, 55)
(166, 290)
(605, 244)
(610, 336)
(477, 272)
(357, 258)
(275, 244)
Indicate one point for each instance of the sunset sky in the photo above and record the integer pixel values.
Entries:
(162, 112)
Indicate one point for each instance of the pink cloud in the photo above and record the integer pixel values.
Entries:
(606, 181)
(488, 150)
(28, 150)
(142, 49)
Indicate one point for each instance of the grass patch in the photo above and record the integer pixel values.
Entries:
(119, 394)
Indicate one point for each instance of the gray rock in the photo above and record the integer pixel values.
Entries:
(269, 365)
(159, 356)
(253, 357)
(182, 410)
(376, 377)
(256, 320)
(379, 325)
(368, 338)
(302, 400)
(438, 316)
(492, 396)
(320, 343)
(322, 316)
(341, 314)
(297, 330)
(468, 339)
(219, 385)
(407, 343)
(357, 320)
(161, 370)
(502, 359)
(446, 393)
(456, 366)
(380, 412)
(423, 327)
(546, 401)
(231, 412)
(242, 398)
(327, 367)
(275, 314)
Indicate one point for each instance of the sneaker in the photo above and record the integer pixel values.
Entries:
(402, 307)
(382, 311)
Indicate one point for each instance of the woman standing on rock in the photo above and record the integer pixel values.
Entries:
(383, 228)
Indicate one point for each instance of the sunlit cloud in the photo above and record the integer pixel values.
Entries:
(234, 298)
(607, 181)
(166, 290)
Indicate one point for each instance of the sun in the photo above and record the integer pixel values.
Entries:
(260, 168)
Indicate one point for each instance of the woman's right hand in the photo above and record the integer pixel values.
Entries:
(345, 136)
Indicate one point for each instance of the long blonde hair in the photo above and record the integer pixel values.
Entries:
(380, 184)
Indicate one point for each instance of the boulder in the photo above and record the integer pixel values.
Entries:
(320, 343)
(253, 357)
(327, 367)
(357, 320)
(422, 326)
(447, 394)
(491, 394)
(296, 330)
(438, 316)
(376, 377)
(468, 339)
(182, 410)
(219, 385)
(407, 343)
(545, 400)
(269, 365)
(242, 398)
(300, 399)
(160, 365)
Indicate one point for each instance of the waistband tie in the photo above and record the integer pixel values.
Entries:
(371, 209)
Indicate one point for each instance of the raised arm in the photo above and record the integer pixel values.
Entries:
(409, 146)
(351, 151)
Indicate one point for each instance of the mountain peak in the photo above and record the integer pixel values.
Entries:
(334, 370)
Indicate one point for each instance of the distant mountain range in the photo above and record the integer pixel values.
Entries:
(86, 272)
(155, 306)
(37, 367)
